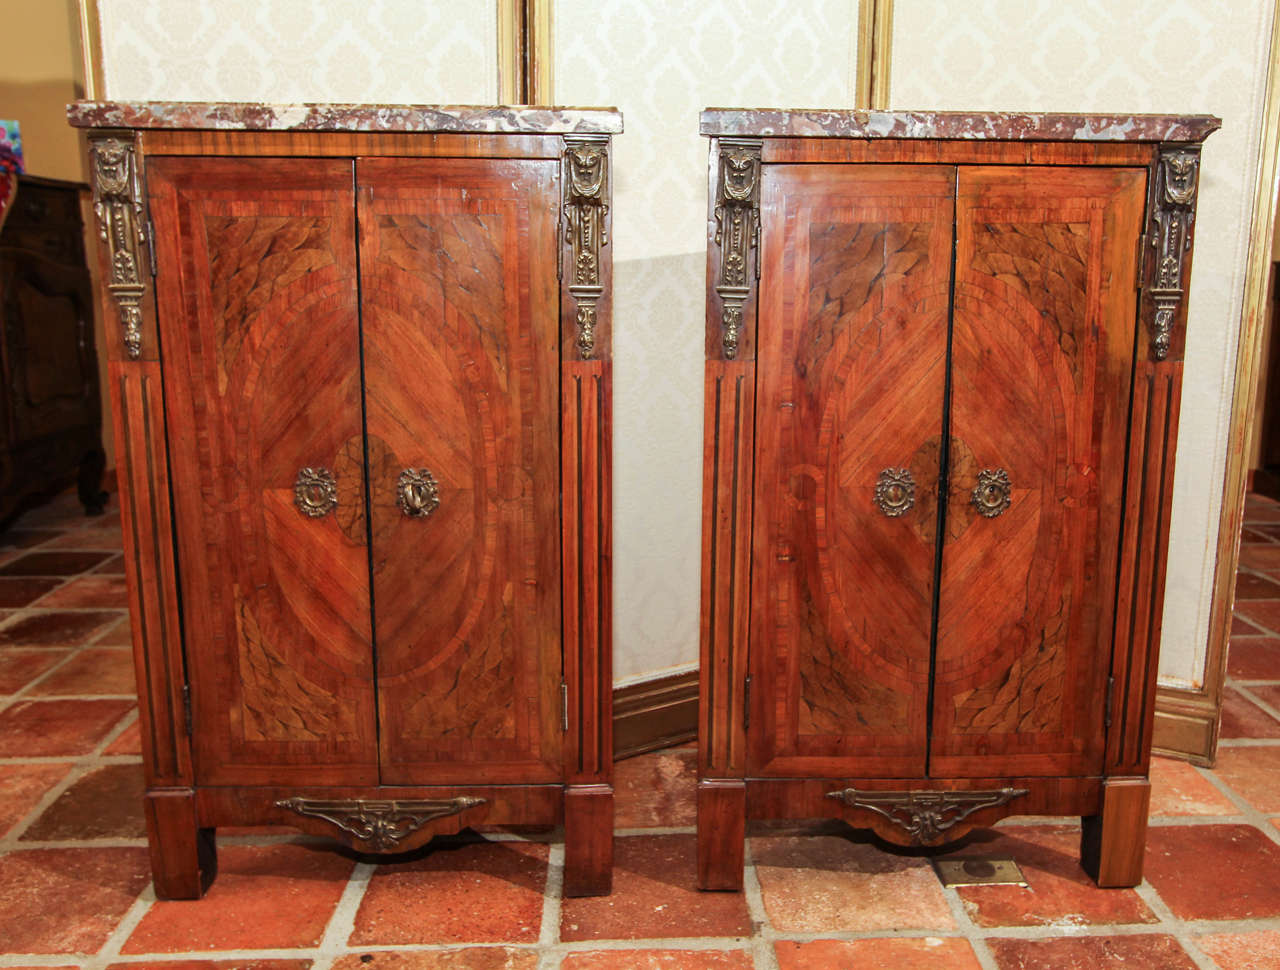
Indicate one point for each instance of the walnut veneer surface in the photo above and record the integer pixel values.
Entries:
(944, 358)
(361, 387)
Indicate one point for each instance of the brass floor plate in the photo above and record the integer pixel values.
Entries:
(979, 872)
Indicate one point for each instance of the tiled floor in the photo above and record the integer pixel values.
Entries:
(74, 883)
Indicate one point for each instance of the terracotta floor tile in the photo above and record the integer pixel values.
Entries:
(819, 883)
(1259, 950)
(1268, 695)
(1148, 952)
(94, 538)
(265, 897)
(1239, 884)
(1252, 586)
(658, 789)
(1263, 613)
(471, 958)
(1241, 718)
(26, 538)
(115, 567)
(658, 960)
(24, 590)
(1253, 774)
(655, 896)
(89, 592)
(92, 889)
(53, 563)
(1178, 788)
(1242, 627)
(104, 804)
(21, 787)
(129, 742)
(119, 634)
(928, 953)
(1254, 658)
(1258, 556)
(55, 629)
(32, 729)
(19, 666)
(470, 892)
(95, 670)
(1058, 889)
(213, 965)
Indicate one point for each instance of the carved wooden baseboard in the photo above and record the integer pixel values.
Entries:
(653, 714)
(1186, 726)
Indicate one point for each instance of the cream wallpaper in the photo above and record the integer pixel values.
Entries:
(399, 51)
(1187, 56)
(661, 62)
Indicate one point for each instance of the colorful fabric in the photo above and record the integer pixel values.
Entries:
(10, 164)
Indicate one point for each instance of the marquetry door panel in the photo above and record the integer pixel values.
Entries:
(851, 374)
(257, 299)
(460, 328)
(1041, 359)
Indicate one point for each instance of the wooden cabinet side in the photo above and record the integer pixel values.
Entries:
(1153, 434)
(586, 514)
(138, 422)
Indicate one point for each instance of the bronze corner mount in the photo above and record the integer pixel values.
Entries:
(737, 215)
(924, 815)
(378, 825)
(585, 174)
(1172, 217)
(122, 225)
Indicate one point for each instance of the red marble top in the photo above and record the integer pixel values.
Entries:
(246, 116)
(989, 126)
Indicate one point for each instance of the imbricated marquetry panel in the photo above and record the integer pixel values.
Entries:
(137, 407)
(852, 361)
(257, 297)
(459, 289)
(1045, 304)
(586, 546)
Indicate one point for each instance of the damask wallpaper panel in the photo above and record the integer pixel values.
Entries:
(662, 62)
(1177, 56)
(397, 51)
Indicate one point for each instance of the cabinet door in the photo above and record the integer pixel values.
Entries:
(850, 376)
(1043, 342)
(257, 310)
(460, 325)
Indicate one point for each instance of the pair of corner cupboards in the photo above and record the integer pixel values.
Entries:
(360, 375)
(360, 367)
(944, 362)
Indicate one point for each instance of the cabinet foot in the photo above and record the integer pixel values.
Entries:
(183, 857)
(722, 829)
(1112, 843)
(588, 840)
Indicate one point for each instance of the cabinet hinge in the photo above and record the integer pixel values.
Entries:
(151, 245)
(1111, 692)
(186, 708)
(746, 703)
(564, 706)
(1139, 275)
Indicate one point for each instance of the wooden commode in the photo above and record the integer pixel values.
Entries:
(944, 362)
(360, 375)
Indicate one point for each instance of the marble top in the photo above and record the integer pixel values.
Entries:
(989, 126)
(245, 116)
